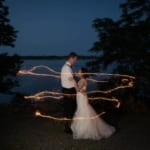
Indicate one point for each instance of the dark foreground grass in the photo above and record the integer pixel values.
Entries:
(23, 131)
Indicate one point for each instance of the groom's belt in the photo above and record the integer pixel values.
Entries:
(72, 88)
(69, 90)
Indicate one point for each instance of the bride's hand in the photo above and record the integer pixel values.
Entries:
(83, 92)
(76, 74)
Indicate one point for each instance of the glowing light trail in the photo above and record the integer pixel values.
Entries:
(128, 80)
(57, 74)
(42, 94)
(38, 113)
(106, 99)
(28, 72)
(130, 84)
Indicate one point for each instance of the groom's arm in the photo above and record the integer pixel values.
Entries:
(67, 76)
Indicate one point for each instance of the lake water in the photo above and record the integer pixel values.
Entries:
(30, 84)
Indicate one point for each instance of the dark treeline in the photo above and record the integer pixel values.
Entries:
(125, 43)
(54, 57)
(9, 65)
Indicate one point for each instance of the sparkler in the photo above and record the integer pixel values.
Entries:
(57, 95)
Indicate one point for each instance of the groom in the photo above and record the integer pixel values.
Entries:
(67, 83)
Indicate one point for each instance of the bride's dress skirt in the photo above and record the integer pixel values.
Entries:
(95, 128)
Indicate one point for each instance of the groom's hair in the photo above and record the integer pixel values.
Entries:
(72, 55)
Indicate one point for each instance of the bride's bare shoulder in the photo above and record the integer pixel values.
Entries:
(82, 82)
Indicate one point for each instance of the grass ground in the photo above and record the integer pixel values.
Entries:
(23, 131)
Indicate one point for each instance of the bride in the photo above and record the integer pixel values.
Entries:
(87, 128)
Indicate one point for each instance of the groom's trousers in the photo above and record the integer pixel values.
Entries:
(69, 102)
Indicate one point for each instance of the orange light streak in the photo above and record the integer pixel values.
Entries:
(57, 74)
(57, 95)
(106, 99)
(117, 75)
(45, 67)
(130, 84)
(42, 94)
(38, 113)
(42, 97)
(28, 72)
(93, 80)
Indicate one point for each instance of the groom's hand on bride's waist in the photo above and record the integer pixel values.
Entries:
(83, 92)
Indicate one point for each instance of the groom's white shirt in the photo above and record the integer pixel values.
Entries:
(66, 74)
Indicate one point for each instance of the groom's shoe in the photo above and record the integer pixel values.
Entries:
(68, 130)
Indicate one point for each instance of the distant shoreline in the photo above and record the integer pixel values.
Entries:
(54, 57)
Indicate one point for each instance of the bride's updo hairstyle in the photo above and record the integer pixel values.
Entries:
(85, 72)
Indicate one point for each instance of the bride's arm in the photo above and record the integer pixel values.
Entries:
(80, 85)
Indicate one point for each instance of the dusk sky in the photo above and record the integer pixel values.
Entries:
(56, 27)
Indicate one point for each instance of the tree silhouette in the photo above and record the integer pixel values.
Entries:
(9, 65)
(125, 42)
(7, 32)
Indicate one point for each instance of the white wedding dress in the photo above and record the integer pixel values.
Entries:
(95, 128)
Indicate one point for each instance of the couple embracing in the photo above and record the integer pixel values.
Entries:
(76, 105)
